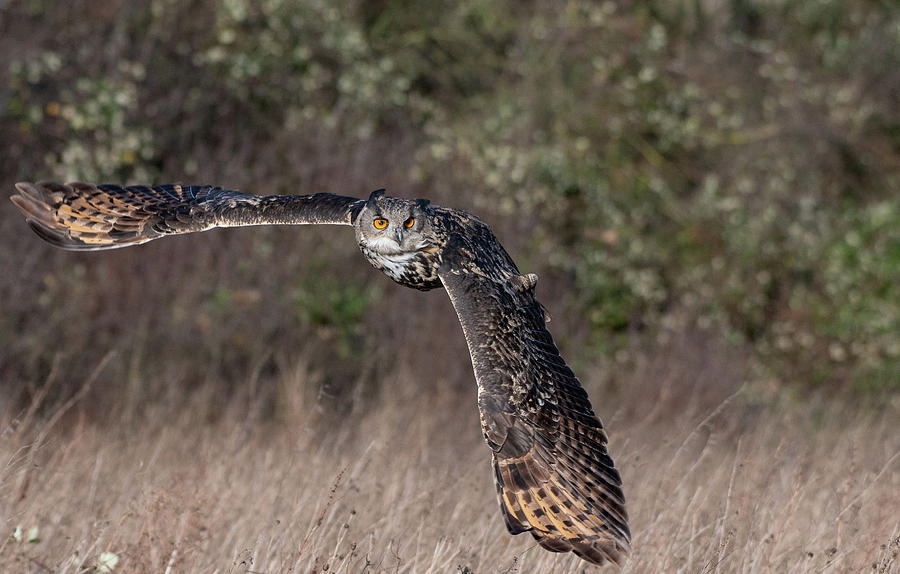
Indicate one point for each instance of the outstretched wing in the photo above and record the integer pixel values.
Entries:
(82, 216)
(554, 475)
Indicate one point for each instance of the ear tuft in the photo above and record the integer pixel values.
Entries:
(423, 203)
(373, 197)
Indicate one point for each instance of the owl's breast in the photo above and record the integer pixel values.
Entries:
(416, 269)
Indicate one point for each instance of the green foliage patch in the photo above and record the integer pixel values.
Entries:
(681, 165)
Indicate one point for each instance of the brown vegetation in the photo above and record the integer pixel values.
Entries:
(716, 482)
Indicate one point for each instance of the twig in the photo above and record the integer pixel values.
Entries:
(886, 466)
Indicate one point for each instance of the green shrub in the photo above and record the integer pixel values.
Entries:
(731, 167)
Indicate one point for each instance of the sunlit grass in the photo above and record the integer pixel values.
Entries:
(713, 484)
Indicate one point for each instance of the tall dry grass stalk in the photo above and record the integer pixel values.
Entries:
(715, 483)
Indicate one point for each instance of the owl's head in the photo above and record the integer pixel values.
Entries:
(394, 226)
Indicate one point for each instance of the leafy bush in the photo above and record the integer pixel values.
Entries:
(732, 167)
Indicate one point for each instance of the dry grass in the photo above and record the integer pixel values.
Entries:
(715, 481)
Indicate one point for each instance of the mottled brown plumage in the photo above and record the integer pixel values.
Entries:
(554, 476)
(81, 216)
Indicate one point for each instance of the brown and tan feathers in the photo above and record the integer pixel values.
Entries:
(566, 498)
(81, 216)
(555, 478)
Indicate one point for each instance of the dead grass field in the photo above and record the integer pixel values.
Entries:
(716, 481)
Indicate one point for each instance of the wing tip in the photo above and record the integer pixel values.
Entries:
(27, 191)
(601, 551)
(55, 237)
(596, 550)
(558, 534)
(562, 521)
(33, 202)
(39, 202)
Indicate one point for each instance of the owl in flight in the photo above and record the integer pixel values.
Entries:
(554, 476)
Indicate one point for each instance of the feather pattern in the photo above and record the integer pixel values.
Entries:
(555, 478)
(82, 216)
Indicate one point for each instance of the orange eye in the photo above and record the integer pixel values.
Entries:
(409, 223)
(380, 223)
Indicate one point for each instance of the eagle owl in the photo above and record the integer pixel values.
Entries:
(554, 476)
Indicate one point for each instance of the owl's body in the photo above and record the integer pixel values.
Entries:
(554, 476)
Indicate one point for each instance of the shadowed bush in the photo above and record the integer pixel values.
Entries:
(724, 166)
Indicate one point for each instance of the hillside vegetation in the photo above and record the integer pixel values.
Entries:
(726, 166)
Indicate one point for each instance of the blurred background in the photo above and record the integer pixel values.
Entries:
(709, 191)
(687, 178)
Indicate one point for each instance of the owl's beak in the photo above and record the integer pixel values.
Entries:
(399, 235)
